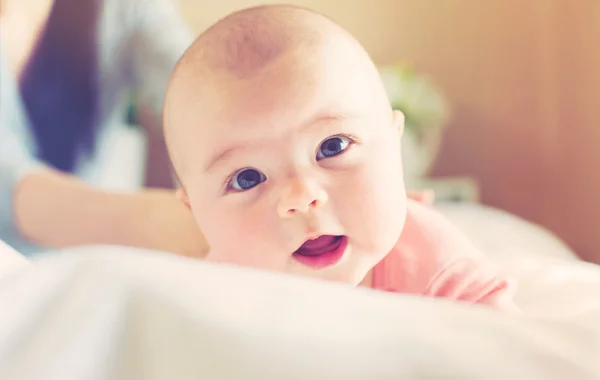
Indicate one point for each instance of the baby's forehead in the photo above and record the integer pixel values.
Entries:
(243, 69)
(294, 90)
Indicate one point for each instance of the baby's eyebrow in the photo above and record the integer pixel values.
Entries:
(219, 157)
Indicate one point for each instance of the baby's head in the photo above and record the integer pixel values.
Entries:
(286, 146)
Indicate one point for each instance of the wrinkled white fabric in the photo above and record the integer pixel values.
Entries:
(115, 313)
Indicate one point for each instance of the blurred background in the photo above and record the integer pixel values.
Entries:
(519, 123)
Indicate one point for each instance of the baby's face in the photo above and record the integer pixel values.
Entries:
(296, 170)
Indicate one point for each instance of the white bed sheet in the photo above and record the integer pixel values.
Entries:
(114, 313)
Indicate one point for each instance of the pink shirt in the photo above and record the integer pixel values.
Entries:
(433, 258)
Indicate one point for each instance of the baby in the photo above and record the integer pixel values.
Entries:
(288, 154)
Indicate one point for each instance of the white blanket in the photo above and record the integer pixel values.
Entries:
(114, 313)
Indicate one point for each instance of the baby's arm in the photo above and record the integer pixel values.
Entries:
(473, 281)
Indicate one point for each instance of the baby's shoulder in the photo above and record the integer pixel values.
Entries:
(430, 247)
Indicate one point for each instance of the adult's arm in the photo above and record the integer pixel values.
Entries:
(57, 210)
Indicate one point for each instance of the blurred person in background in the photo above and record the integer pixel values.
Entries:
(67, 68)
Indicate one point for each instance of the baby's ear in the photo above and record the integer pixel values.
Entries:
(183, 198)
(399, 121)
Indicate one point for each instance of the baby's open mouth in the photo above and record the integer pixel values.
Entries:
(324, 251)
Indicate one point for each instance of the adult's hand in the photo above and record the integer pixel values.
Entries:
(167, 225)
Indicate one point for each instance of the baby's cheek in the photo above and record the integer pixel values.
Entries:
(239, 240)
(378, 206)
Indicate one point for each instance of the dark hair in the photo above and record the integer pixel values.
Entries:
(59, 83)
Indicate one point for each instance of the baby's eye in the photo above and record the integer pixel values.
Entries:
(246, 179)
(333, 146)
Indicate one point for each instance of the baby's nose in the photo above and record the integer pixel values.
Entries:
(301, 196)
